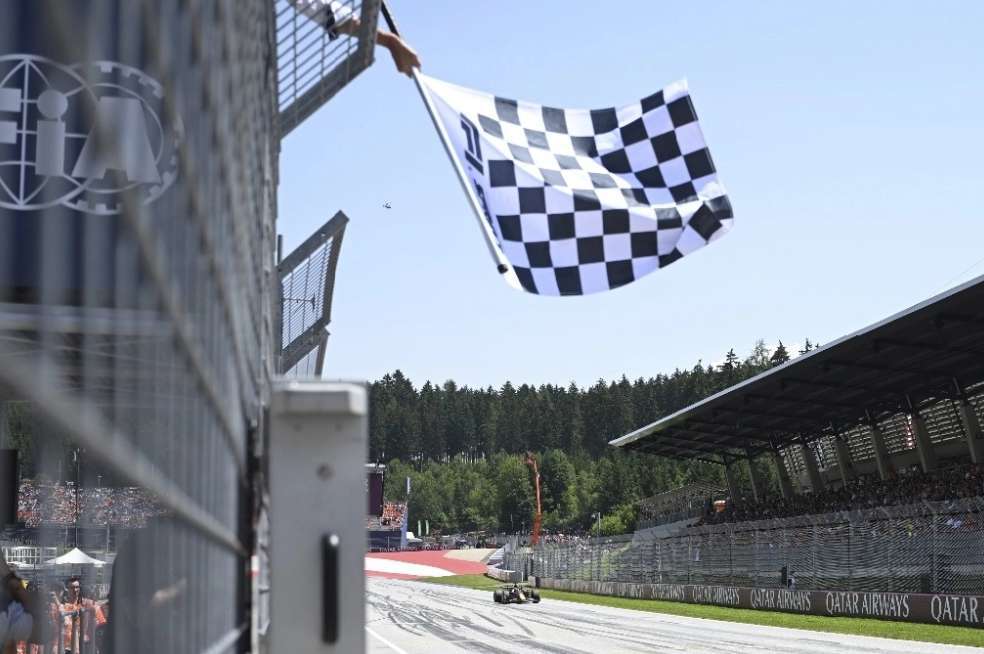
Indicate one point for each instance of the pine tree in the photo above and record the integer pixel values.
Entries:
(807, 346)
(780, 356)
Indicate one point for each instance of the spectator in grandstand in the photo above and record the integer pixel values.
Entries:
(338, 18)
(81, 617)
(866, 492)
(49, 504)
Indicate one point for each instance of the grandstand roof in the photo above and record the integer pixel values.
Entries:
(914, 358)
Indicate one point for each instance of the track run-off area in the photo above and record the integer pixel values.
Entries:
(411, 617)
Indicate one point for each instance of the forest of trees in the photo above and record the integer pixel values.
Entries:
(464, 448)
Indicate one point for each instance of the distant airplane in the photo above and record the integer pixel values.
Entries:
(387, 205)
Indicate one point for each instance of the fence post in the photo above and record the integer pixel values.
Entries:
(850, 558)
(814, 553)
(731, 554)
(690, 556)
(936, 568)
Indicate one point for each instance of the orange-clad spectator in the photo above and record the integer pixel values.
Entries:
(76, 626)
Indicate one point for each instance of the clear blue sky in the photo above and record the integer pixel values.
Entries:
(849, 135)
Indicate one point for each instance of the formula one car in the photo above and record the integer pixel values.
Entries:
(516, 594)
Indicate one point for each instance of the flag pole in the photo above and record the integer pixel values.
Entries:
(502, 264)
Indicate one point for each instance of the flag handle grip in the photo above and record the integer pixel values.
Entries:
(501, 264)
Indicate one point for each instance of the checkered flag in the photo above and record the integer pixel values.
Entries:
(584, 201)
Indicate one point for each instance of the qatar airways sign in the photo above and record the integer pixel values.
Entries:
(963, 610)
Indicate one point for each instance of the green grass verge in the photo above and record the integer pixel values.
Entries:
(930, 633)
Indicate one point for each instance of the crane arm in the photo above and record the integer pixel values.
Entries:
(538, 518)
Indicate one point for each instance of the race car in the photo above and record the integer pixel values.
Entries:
(516, 594)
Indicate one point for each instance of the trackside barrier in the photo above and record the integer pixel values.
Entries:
(508, 576)
(927, 548)
(962, 610)
(497, 568)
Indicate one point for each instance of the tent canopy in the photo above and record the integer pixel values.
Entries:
(76, 557)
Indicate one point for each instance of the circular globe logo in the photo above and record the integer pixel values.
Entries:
(80, 136)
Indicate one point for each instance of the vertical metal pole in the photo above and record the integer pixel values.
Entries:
(3, 425)
(850, 559)
(502, 265)
(936, 567)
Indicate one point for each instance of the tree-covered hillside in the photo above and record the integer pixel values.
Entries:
(463, 447)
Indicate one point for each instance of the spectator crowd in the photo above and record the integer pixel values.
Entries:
(55, 504)
(908, 486)
(394, 514)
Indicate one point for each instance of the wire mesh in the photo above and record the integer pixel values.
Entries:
(321, 46)
(688, 501)
(136, 306)
(307, 282)
(927, 547)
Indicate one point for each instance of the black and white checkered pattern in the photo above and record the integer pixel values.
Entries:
(585, 201)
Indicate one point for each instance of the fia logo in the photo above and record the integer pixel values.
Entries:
(79, 136)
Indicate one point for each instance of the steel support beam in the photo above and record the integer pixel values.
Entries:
(968, 420)
(881, 452)
(812, 470)
(924, 446)
(844, 461)
(729, 475)
(972, 431)
(755, 475)
(784, 484)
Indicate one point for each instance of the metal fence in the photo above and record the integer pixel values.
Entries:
(307, 281)
(925, 547)
(314, 60)
(139, 143)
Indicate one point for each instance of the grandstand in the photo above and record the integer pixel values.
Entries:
(907, 391)
(388, 531)
(694, 500)
(876, 441)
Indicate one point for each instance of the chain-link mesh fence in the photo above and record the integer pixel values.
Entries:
(925, 547)
(307, 280)
(138, 142)
(315, 56)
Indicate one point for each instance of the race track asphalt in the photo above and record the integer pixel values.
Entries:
(409, 617)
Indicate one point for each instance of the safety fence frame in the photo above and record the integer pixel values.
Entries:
(928, 547)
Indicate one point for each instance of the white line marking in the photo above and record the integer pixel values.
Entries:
(385, 642)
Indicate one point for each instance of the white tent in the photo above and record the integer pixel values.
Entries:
(76, 557)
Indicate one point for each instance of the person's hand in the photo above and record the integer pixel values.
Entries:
(404, 57)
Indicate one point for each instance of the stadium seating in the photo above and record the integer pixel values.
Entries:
(54, 504)
(909, 486)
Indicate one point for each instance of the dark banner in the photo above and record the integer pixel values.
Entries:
(374, 493)
(962, 610)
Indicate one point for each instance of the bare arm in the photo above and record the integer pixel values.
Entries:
(404, 57)
(344, 21)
